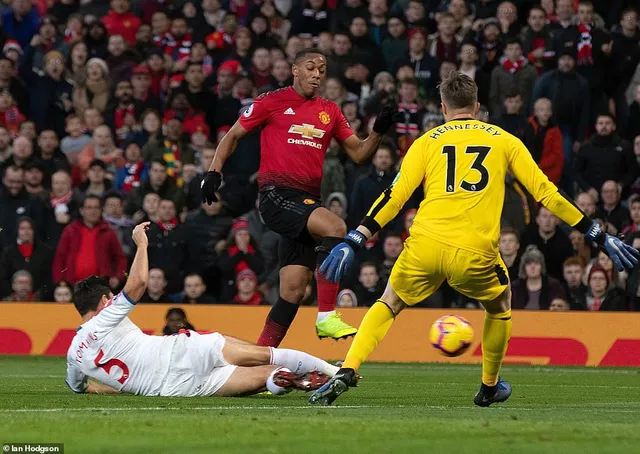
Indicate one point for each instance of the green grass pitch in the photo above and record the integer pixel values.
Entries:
(399, 408)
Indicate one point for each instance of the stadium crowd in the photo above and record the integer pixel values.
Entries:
(110, 112)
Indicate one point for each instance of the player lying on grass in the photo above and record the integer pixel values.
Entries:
(454, 236)
(110, 348)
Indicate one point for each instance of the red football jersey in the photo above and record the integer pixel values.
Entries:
(295, 136)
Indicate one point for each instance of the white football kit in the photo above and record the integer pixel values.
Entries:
(113, 350)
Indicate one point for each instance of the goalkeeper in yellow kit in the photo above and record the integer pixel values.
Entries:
(462, 166)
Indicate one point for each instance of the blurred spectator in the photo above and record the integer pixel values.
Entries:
(30, 254)
(606, 156)
(346, 298)
(50, 157)
(394, 46)
(391, 250)
(134, 171)
(21, 21)
(616, 278)
(22, 288)
(16, 202)
(469, 65)
(587, 203)
(513, 120)
(247, 293)
(194, 291)
(156, 287)
(207, 229)
(268, 242)
(370, 286)
(243, 253)
(89, 247)
(559, 305)
(369, 188)
(550, 241)
(443, 44)
(174, 150)
(143, 97)
(426, 68)
(95, 90)
(97, 183)
(409, 117)
(101, 148)
(49, 93)
(10, 116)
(514, 74)
(120, 223)
(509, 246)
(634, 210)
(336, 202)
(599, 296)
(22, 152)
(611, 210)
(192, 190)
(573, 271)
(148, 131)
(537, 40)
(176, 320)
(123, 113)
(167, 246)
(546, 145)
(62, 202)
(534, 289)
(33, 180)
(63, 293)
(158, 183)
(581, 249)
(120, 21)
(72, 144)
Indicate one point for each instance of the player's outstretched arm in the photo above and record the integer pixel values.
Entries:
(213, 179)
(528, 173)
(360, 150)
(139, 274)
(412, 173)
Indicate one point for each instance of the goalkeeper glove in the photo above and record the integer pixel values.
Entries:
(336, 265)
(622, 255)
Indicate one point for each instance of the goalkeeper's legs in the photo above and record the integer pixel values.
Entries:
(495, 339)
(373, 328)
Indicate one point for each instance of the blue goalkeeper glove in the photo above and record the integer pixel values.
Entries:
(622, 255)
(336, 265)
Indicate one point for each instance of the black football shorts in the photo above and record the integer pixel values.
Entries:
(286, 211)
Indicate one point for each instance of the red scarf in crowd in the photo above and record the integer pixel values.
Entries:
(26, 249)
(57, 201)
(133, 177)
(168, 226)
(12, 119)
(242, 265)
(255, 300)
(597, 302)
(513, 67)
(585, 49)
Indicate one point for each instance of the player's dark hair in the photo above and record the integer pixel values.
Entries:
(176, 311)
(458, 91)
(88, 292)
(91, 197)
(308, 51)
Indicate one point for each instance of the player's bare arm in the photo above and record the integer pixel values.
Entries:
(99, 388)
(213, 179)
(139, 274)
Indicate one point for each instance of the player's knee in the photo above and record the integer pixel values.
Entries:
(293, 292)
(501, 304)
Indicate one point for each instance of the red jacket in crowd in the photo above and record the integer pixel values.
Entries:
(552, 160)
(109, 258)
(126, 24)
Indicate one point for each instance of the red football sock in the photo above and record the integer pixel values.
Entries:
(327, 293)
(278, 321)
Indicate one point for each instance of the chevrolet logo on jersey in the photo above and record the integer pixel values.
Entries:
(307, 131)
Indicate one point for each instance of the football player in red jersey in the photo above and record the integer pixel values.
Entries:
(297, 127)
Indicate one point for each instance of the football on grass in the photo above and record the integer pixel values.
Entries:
(451, 335)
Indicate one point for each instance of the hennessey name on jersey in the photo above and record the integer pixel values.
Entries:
(437, 132)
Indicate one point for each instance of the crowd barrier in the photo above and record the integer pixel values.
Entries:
(560, 338)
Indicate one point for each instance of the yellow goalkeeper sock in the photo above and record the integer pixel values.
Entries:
(495, 339)
(373, 328)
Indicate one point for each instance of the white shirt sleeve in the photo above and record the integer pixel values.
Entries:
(116, 309)
(76, 380)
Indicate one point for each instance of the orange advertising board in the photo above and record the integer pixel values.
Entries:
(567, 338)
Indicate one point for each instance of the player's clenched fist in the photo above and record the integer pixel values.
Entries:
(139, 234)
(210, 184)
(384, 120)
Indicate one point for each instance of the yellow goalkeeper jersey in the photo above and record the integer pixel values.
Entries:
(462, 165)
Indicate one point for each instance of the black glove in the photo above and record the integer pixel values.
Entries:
(210, 184)
(384, 120)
